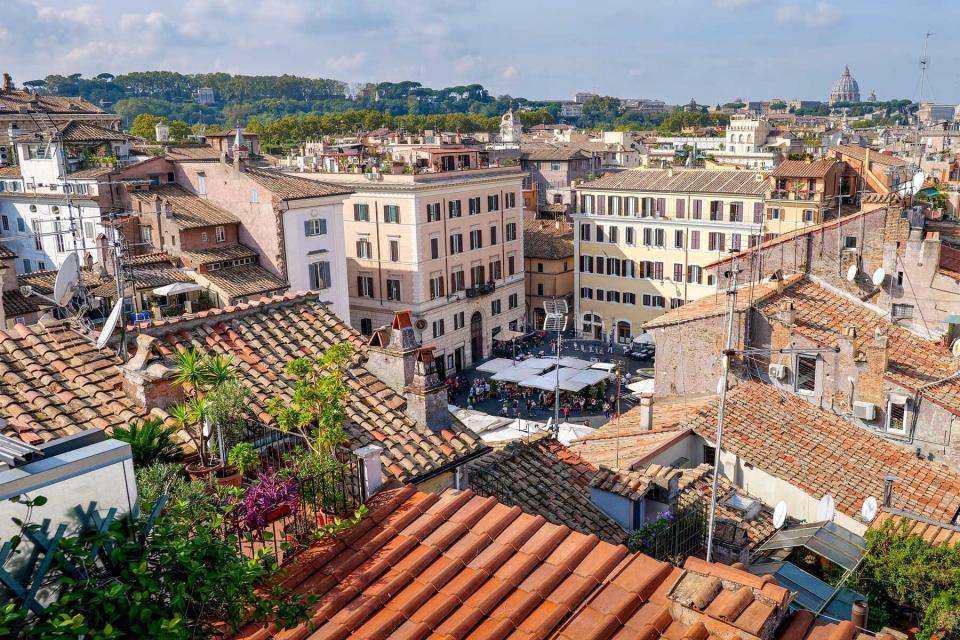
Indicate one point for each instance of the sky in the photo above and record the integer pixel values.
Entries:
(710, 50)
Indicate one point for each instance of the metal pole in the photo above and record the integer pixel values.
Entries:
(732, 293)
(556, 390)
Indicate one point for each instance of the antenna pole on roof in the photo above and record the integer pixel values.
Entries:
(725, 368)
(118, 268)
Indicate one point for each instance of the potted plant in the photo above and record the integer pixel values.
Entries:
(267, 500)
(243, 457)
(150, 441)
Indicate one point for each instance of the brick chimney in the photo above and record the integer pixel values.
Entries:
(786, 313)
(167, 209)
(147, 380)
(7, 83)
(427, 394)
(646, 411)
(392, 352)
(878, 353)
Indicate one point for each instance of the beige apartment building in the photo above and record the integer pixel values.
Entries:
(548, 256)
(443, 240)
(644, 236)
(803, 193)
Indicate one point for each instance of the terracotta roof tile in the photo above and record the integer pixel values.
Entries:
(741, 182)
(191, 153)
(290, 187)
(545, 478)
(819, 452)
(243, 281)
(804, 169)
(547, 242)
(859, 153)
(717, 304)
(190, 211)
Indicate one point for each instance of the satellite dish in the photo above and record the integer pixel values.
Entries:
(852, 273)
(780, 514)
(68, 277)
(878, 276)
(955, 348)
(869, 509)
(110, 325)
(826, 508)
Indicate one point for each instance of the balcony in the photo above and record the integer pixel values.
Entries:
(806, 196)
(478, 291)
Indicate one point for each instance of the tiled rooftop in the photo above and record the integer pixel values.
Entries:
(190, 211)
(456, 565)
(859, 153)
(929, 531)
(821, 315)
(553, 152)
(546, 241)
(289, 187)
(716, 304)
(54, 383)
(544, 478)
(601, 446)
(78, 131)
(219, 253)
(819, 452)
(244, 280)
(191, 153)
(681, 181)
(263, 336)
(803, 169)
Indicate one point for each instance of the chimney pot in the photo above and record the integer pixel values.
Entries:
(787, 314)
(426, 394)
(372, 468)
(7, 83)
(646, 411)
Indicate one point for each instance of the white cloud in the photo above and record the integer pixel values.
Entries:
(821, 14)
(347, 61)
(509, 72)
(732, 4)
(466, 64)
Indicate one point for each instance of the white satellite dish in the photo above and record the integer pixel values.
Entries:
(852, 273)
(780, 514)
(955, 348)
(68, 277)
(869, 509)
(110, 325)
(826, 508)
(878, 276)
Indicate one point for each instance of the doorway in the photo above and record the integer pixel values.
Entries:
(458, 359)
(476, 337)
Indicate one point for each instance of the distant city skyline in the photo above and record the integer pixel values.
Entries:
(710, 50)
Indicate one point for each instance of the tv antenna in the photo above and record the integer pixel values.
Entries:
(555, 319)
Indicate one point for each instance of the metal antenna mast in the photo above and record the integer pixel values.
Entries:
(924, 63)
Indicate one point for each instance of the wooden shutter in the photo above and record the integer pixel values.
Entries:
(757, 213)
(681, 208)
(697, 209)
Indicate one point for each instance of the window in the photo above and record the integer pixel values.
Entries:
(599, 294)
(513, 301)
(366, 326)
(201, 184)
(203, 236)
(773, 213)
(457, 280)
(585, 231)
(676, 303)
(808, 215)
(677, 272)
(510, 200)
(26, 265)
(896, 415)
(694, 274)
(41, 265)
(434, 248)
(554, 166)
(587, 204)
(495, 307)
(613, 296)
(254, 196)
(806, 378)
(629, 233)
(361, 212)
(22, 227)
(453, 209)
(5, 223)
(438, 328)
(539, 267)
(476, 239)
(715, 242)
(902, 312)
(680, 208)
(539, 288)
(586, 292)
(312, 227)
(433, 212)
(496, 273)
(511, 265)
(493, 236)
(850, 242)
(736, 212)
(476, 275)
(394, 250)
(511, 231)
(456, 243)
(393, 289)
(146, 236)
(221, 233)
(600, 236)
(716, 210)
(735, 242)
(320, 275)
(709, 455)
(458, 322)
(474, 205)
(659, 238)
(391, 214)
(364, 248)
(629, 297)
(365, 286)
(493, 202)
(612, 239)
(697, 209)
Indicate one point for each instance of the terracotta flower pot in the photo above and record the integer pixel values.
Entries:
(196, 470)
(277, 512)
(230, 477)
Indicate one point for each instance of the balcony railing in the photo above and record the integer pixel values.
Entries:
(477, 291)
(781, 194)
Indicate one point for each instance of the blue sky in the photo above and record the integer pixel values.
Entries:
(711, 50)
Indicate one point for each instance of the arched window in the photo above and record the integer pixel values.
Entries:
(623, 331)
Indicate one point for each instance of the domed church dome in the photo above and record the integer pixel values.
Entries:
(845, 89)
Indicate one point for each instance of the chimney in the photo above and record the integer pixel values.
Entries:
(427, 394)
(880, 350)
(392, 352)
(372, 468)
(157, 204)
(858, 614)
(646, 411)
(147, 380)
(7, 83)
(787, 314)
(167, 209)
(888, 481)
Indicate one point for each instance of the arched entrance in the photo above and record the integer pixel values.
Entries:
(623, 331)
(476, 337)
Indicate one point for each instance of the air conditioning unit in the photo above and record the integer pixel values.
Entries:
(777, 371)
(864, 410)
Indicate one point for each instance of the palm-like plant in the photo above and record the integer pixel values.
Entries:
(150, 440)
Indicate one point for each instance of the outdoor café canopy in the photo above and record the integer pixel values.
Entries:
(496, 365)
(516, 373)
(175, 288)
(573, 380)
(506, 335)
